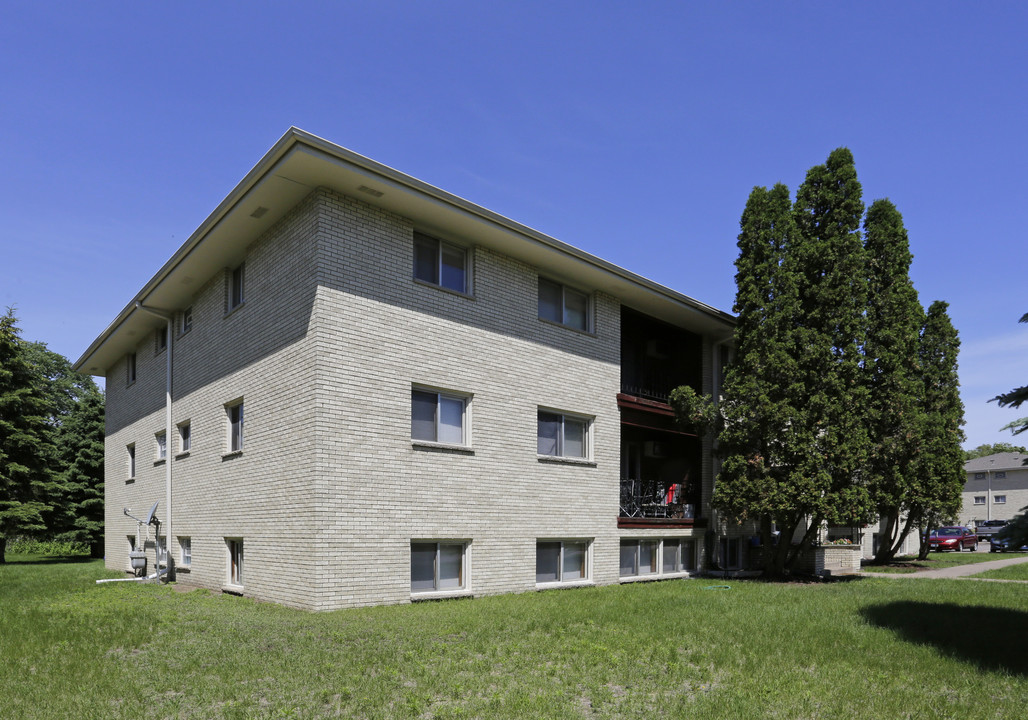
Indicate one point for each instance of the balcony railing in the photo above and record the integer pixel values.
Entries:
(652, 499)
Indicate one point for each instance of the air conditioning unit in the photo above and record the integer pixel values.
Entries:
(653, 449)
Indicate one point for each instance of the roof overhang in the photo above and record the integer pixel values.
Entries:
(298, 164)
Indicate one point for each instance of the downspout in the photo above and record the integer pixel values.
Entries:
(169, 317)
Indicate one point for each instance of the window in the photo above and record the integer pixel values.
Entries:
(979, 499)
(162, 446)
(437, 566)
(235, 426)
(979, 476)
(185, 437)
(162, 551)
(561, 561)
(999, 499)
(130, 376)
(731, 553)
(185, 551)
(561, 304)
(131, 449)
(639, 557)
(235, 561)
(161, 339)
(186, 321)
(438, 417)
(235, 287)
(440, 263)
(1001, 475)
(561, 435)
(679, 555)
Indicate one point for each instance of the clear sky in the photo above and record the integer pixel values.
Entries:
(634, 131)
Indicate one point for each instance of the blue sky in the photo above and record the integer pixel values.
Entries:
(634, 131)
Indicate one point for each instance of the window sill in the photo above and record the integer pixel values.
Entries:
(183, 454)
(441, 594)
(584, 462)
(232, 589)
(182, 569)
(558, 585)
(130, 481)
(650, 578)
(158, 462)
(451, 291)
(442, 447)
(587, 333)
(231, 455)
(232, 311)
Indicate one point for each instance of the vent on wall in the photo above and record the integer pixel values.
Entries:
(370, 191)
(259, 212)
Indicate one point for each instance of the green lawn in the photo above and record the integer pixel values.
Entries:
(1012, 572)
(861, 648)
(937, 560)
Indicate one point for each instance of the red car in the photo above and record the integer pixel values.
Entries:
(955, 537)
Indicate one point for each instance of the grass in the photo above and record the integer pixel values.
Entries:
(937, 561)
(1011, 572)
(865, 647)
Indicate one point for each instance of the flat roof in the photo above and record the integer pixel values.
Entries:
(300, 163)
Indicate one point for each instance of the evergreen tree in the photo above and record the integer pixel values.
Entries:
(26, 440)
(830, 261)
(894, 318)
(79, 503)
(758, 440)
(1014, 399)
(937, 480)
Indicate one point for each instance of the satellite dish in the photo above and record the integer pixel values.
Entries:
(149, 515)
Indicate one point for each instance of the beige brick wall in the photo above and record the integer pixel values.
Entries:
(329, 490)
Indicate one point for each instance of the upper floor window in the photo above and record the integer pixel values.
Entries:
(235, 286)
(979, 499)
(235, 426)
(979, 476)
(185, 437)
(560, 304)
(161, 338)
(130, 372)
(186, 321)
(438, 417)
(131, 454)
(162, 445)
(561, 435)
(440, 263)
(1001, 475)
(999, 499)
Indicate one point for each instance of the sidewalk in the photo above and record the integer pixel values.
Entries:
(956, 571)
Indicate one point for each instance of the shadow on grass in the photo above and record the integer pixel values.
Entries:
(990, 637)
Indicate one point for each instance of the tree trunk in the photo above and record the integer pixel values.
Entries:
(3, 550)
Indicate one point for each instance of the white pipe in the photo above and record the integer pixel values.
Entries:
(134, 579)
(168, 442)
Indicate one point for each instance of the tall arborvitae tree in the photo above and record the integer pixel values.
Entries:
(1014, 399)
(26, 440)
(937, 480)
(757, 440)
(78, 514)
(830, 261)
(891, 364)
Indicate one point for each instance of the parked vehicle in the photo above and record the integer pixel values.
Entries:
(987, 528)
(954, 537)
(1001, 544)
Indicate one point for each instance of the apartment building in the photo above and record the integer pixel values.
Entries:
(996, 488)
(349, 387)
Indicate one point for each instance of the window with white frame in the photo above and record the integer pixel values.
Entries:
(561, 561)
(236, 279)
(679, 555)
(561, 304)
(437, 566)
(185, 437)
(131, 454)
(439, 417)
(640, 557)
(562, 435)
(186, 320)
(162, 552)
(185, 551)
(235, 561)
(440, 263)
(999, 499)
(234, 413)
(130, 368)
(979, 499)
(161, 445)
